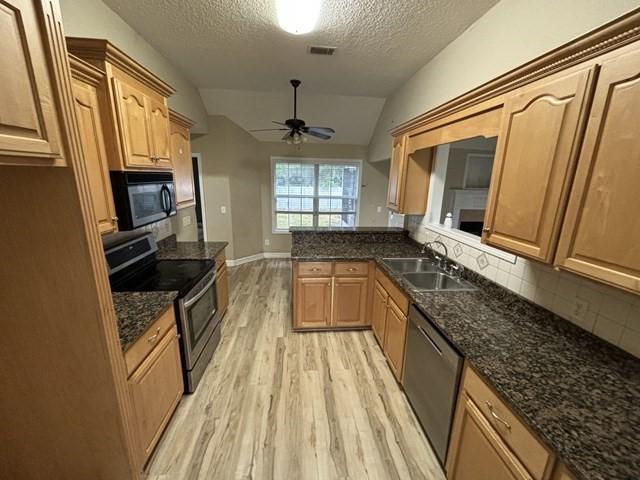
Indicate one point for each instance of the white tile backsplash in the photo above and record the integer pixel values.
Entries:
(611, 314)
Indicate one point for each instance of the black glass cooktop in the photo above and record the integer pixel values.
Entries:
(163, 275)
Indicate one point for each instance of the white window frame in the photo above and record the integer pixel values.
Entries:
(312, 160)
(434, 209)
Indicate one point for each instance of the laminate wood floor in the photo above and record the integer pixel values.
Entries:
(275, 404)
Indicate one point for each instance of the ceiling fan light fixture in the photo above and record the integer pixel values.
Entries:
(298, 16)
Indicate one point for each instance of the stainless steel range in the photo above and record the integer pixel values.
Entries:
(133, 267)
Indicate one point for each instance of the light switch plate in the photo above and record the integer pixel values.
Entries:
(267, 242)
(186, 220)
(223, 209)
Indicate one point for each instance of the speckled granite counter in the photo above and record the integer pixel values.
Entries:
(580, 394)
(170, 249)
(135, 311)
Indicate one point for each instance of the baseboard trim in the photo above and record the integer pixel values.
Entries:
(256, 257)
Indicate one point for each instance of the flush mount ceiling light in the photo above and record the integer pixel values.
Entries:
(298, 16)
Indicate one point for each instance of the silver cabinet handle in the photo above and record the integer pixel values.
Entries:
(496, 417)
(486, 229)
(153, 337)
(351, 269)
(315, 269)
(114, 219)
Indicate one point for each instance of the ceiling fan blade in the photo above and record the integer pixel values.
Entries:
(279, 123)
(313, 133)
(325, 130)
(270, 130)
(287, 135)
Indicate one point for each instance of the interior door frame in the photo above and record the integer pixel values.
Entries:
(198, 157)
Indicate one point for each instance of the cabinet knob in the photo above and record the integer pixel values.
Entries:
(114, 219)
(486, 229)
(351, 269)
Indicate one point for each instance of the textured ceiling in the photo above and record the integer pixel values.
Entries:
(353, 118)
(236, 44)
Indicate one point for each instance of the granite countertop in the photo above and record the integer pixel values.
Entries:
(170, 249)
(577, 392)
(135, 311)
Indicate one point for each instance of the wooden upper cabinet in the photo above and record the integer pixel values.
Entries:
(350, 296)
(396, 173)
(601, 234)
(133, 118)
(159, 133)
(29, 128)
(86, 82)
(535, 158)
(181, 159)
(409, 175)
(136, 116)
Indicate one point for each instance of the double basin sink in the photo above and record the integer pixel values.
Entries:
(424, 275)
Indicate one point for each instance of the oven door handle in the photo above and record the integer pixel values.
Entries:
(204, 290)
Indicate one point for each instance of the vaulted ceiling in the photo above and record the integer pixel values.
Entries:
(237, 45)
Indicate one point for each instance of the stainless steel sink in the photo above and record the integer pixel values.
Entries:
(431, 281)
(407, 265)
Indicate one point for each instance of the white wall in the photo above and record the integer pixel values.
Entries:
(92, 18)
(510, 34)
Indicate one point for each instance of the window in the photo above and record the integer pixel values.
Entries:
(315, 193)
(462, 173)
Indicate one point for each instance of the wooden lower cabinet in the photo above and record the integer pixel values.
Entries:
(312, 303)
(379, 312)
(477, 450)
(331, 295)
(395, 338)
(488, 440)
(350, 301)
(156, 384)
(222, 283)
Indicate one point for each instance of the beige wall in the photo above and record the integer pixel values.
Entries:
(493, 45)
(92, 18)
(373, 191)
(231, 179)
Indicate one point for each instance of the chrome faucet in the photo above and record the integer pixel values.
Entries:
(437, 257)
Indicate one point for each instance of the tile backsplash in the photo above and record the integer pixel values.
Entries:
(609, 313)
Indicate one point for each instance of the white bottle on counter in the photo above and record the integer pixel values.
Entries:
(448, 220)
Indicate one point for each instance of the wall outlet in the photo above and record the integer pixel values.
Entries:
(579, 310)
(223, 209)
(186, 220)
(379, 209)
(267, 242)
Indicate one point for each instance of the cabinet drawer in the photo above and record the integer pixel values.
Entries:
(351, 269)
(314, 269)
(149, 339)
(524, 444)
(398, 296)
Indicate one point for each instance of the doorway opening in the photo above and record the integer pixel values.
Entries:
(196, 160)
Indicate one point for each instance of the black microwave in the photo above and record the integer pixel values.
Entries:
(142, 198)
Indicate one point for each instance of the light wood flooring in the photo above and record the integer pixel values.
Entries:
(275, 404)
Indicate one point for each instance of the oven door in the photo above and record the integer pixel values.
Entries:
(150, 202)
(198, 318)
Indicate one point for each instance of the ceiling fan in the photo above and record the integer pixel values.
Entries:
(296, 128)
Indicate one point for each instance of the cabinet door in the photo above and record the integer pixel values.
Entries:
(95, 154)
(379, 313)
(131, 105)
(476, 450)
(396, 174)
(350, 301)
(535, 157)
(159, 129)
(313, 302)
(222, 289)
(182, 166)
(601, 233)
(395, 336)
(156, 387)
(29, 130)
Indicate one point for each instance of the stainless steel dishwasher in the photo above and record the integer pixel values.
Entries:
(431, 378)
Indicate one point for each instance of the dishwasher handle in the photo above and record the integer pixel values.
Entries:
(426, 335)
